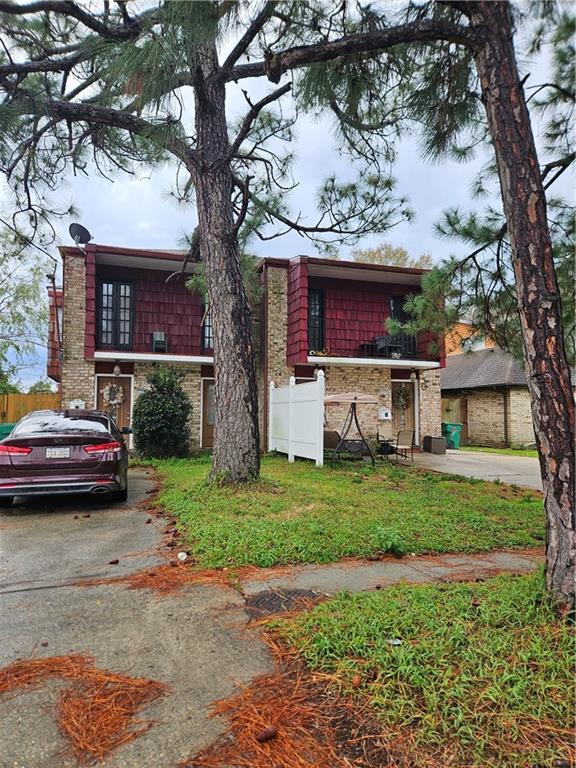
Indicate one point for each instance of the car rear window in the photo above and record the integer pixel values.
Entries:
(59, 422)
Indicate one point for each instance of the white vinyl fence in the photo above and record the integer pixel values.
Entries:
(296, 419)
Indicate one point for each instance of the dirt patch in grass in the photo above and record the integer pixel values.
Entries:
(97, 710)
(280, 601)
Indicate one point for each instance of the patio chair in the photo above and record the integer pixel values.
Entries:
(404, 443)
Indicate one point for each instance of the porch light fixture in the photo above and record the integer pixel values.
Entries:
(116, 370)
(413, 375)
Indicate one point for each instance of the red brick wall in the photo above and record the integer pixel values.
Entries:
(160, 306)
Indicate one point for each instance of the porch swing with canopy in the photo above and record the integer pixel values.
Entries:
(339, 442)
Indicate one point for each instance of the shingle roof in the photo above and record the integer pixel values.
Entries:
(484, 368)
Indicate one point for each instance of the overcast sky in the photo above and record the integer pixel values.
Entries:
(137, 211)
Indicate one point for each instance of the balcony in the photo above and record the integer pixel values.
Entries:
(399, 346)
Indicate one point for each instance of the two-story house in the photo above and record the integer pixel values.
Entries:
(120, 317)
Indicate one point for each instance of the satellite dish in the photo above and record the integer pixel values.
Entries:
(79, 234)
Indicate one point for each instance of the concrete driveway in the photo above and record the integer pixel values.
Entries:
(517, 470)
(195, 641)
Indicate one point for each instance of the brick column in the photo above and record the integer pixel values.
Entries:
(429, 405)
(77, 372)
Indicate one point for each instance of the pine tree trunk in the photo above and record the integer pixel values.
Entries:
(545, 360)
(236, 456)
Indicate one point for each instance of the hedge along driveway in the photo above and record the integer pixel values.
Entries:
(298, 513)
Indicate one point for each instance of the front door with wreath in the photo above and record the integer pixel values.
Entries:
(402, 406)
(113, 397)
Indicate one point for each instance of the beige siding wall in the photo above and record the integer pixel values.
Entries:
(486, 418)
(77, 373)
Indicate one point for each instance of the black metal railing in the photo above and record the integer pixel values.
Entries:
(398, 346)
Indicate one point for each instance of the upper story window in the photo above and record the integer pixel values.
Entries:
(397, 309)
(115, 314)
(207, 330)
(315, 320)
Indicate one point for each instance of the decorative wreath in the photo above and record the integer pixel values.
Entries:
(113, 395)
(401, 399)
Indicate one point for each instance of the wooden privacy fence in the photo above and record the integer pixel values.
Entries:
(14, 406)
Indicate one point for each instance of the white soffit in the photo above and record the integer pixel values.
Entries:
(143, 262)
(363, 275)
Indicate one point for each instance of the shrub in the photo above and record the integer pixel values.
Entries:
(160, 419)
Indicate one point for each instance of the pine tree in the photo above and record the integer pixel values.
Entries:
(113, 84)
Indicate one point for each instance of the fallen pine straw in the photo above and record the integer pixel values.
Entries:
(315, 729)
(168, 579)
(32, 672)
(96, 712)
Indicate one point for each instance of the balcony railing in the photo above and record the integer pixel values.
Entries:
(398, 346)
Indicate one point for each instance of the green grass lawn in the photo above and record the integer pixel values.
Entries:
(298, 513)
(482, 677)
(504, 451)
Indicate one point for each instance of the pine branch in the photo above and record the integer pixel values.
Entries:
(252, 114)
(244, 43)
(93, 114)
(193, 254)
(70, 9)
(276, 64)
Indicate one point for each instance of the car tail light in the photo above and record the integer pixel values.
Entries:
(114, 447)
(22, 450)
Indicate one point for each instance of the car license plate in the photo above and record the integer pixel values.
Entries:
(57, 453)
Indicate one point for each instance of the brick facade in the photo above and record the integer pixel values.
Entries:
(271, 335)
(277, 338)
(486, 418)
(429, 403)
(520, 426)
(370, 380)
(77, 372)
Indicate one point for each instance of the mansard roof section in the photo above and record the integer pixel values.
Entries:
(137, 258)
(351, 270)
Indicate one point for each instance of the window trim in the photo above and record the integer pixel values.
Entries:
(115, 314)
(321, 321)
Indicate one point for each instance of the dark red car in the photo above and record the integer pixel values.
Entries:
(53, 452)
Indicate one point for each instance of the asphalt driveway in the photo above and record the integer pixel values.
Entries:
(516, 470)
(195, 641)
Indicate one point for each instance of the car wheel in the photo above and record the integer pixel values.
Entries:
(6, 501)
(120, 495)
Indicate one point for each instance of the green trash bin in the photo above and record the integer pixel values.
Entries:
(451, 432)
(5, 430)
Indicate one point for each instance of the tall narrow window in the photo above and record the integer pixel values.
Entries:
(207, 330)
(398, 311)
(115, 314)
(315, 320)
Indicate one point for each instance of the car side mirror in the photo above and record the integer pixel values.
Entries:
(126, 430)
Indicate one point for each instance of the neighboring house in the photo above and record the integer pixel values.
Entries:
(121, 318)
(462, 337)
(486, 391)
